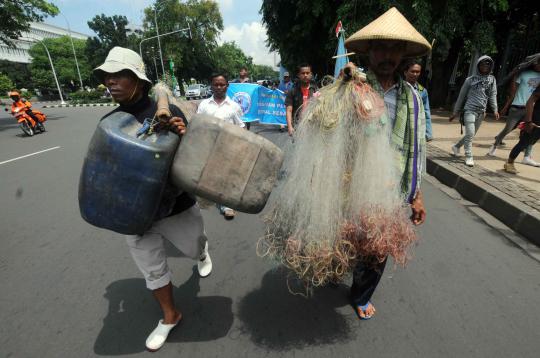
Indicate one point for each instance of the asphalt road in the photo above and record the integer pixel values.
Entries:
(71, 290)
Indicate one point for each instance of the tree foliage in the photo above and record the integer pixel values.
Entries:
(193, 57)
(18, 73)
(262, 72)
(229, 59)
(111, 31)
(16, 16)
(5, 84)
(64, 63)
(303, 30)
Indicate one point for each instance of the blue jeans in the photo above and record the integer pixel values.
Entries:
(429, 129)
(473, 120)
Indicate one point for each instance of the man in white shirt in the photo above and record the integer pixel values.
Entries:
(222, 106)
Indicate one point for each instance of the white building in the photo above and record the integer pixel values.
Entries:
(38, 31)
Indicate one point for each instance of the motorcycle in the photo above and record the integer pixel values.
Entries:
(28, 125)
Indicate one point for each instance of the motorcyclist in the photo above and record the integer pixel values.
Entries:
(19, 104)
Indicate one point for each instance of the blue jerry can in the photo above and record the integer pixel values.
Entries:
(123, 176)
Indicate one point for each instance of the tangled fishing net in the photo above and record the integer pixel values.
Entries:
(340, 200)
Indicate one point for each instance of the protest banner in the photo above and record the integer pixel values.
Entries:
(259, 103)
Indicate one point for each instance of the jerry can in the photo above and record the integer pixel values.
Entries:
(226, 164)
(124, 175)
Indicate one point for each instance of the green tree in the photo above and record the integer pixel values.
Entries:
(18, 73)
(16, 16)
(229, 58)
(5, 85)
(259, 72)
(303, 31)
(193, 57)
(64, 63)
(111, 31)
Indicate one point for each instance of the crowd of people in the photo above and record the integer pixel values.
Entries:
(393, 74)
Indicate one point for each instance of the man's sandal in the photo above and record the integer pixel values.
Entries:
(363, 309)
(159, 335)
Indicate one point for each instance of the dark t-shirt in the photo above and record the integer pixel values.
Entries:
(173, 201)
(536, 109)
(295, 98)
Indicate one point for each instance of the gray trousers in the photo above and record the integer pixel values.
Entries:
(515, 114)
(185, 231)
(473, 120)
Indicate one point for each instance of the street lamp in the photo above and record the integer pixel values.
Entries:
(155, 65)
(52, 67)
(74, 54)
(158, 36)
(159, 41)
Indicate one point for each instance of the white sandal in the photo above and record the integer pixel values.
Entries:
(204, 266)
(157, 338)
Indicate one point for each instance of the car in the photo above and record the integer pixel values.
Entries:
(196, 91)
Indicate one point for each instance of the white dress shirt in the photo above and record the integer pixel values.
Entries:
(228, 110)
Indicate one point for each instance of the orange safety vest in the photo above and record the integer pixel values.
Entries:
(19, 104)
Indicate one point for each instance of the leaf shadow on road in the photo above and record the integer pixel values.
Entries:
(133, 314)
(279, 320)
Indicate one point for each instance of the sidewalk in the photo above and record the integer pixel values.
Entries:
(513, 199)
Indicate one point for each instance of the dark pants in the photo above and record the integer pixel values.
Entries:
(366, 277)
(525, 140)
(248, 125)
(33, 116)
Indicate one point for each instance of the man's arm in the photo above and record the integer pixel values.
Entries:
(513, 89)
(461, 98)
(289, 120)
(425, 100)
(493, 99)
(529, 107)
(238, 114)
(289, 111)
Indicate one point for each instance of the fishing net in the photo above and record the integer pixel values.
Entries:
(340, 200)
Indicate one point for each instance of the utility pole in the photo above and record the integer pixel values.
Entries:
(159, 41)
(74, 54)
(53, 71)
(155, 65)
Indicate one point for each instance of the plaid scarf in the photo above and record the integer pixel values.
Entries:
(408, 134)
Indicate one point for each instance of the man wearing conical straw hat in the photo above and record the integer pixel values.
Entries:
(386, 41)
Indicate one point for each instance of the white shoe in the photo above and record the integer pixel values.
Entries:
(159, 335)
(530, 161)
(455, 151)
(469, 162)
(492, 150)
(205, 263)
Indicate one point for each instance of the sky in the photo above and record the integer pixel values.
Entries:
(241, 21)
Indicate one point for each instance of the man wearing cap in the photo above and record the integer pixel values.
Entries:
(178, 219)
(386, 41)
(286, 84)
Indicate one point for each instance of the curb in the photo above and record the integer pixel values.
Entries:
(518, 216)
(83, 105)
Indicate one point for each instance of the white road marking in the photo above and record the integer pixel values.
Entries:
(29, 155)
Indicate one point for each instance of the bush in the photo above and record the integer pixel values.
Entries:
(81, 97)
(5, 85)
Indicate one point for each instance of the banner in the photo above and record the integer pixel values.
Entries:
(259, 103)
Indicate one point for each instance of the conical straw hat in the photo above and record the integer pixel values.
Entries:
(391, 25)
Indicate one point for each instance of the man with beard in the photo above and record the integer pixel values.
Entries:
(386, 41)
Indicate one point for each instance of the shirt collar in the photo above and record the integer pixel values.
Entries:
(225, 101)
